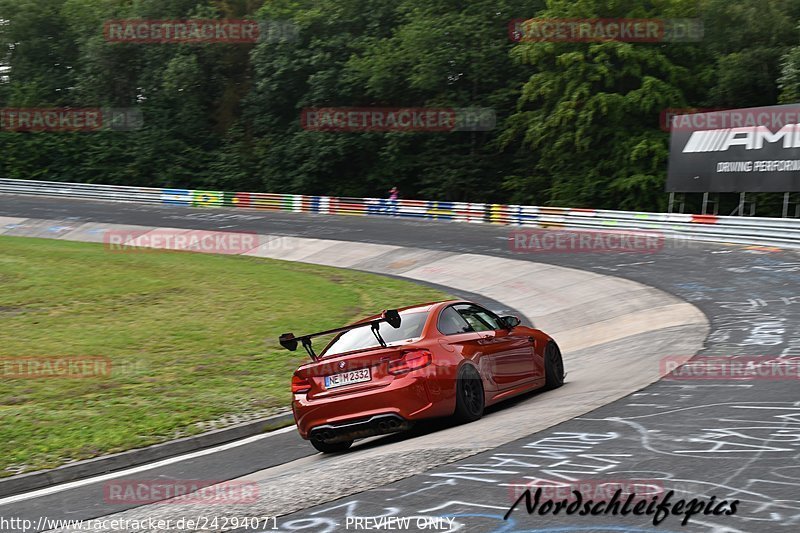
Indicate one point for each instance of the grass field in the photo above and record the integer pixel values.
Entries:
(192, 340)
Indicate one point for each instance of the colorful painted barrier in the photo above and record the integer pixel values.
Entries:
(782, 232)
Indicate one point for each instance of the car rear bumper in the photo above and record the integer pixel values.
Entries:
(359, 429)
(403, 400)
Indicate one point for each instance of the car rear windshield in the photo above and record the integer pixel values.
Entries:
(358, 339)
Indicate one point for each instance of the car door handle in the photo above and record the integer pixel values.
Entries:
(485, 339)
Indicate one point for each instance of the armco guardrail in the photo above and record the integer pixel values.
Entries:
(782, 232)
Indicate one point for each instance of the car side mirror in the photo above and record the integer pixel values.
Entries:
(510, 321)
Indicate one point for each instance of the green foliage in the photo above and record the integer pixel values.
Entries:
(577, 123)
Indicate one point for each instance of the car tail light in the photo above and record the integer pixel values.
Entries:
(300, 385)
(410, 361)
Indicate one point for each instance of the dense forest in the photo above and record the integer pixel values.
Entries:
(577, 123)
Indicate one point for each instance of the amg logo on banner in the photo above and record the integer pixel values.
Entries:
(735, 150)
(752, 138)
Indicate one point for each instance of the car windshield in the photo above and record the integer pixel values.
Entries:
(357, 339)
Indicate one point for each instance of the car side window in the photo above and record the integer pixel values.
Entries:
(452, 323)
(479, 318)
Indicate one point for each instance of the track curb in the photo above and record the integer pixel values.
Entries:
(109, 463)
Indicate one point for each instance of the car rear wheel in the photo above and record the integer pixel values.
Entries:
(553, 366)
(469, 395)
(332, 447)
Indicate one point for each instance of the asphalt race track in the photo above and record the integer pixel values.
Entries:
(732, 440)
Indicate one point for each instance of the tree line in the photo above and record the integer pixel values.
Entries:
(577, 123)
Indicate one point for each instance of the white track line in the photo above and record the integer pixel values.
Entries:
(81, 482)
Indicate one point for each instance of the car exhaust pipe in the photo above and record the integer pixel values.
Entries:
(379, 425)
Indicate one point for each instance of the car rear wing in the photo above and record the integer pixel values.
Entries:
(390, 316)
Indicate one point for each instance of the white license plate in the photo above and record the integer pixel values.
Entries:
(347, 378)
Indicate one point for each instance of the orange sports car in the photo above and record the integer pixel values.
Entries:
(443, 359)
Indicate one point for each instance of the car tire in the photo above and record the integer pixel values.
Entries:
(469, 395)
(332, 447)
(553, 367)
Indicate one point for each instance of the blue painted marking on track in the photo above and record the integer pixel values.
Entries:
(594, 529)
(507, 527)
(510, 524)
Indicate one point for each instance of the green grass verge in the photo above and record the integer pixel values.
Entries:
(192, 339)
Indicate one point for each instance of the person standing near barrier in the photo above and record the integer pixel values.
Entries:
(394, 195)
